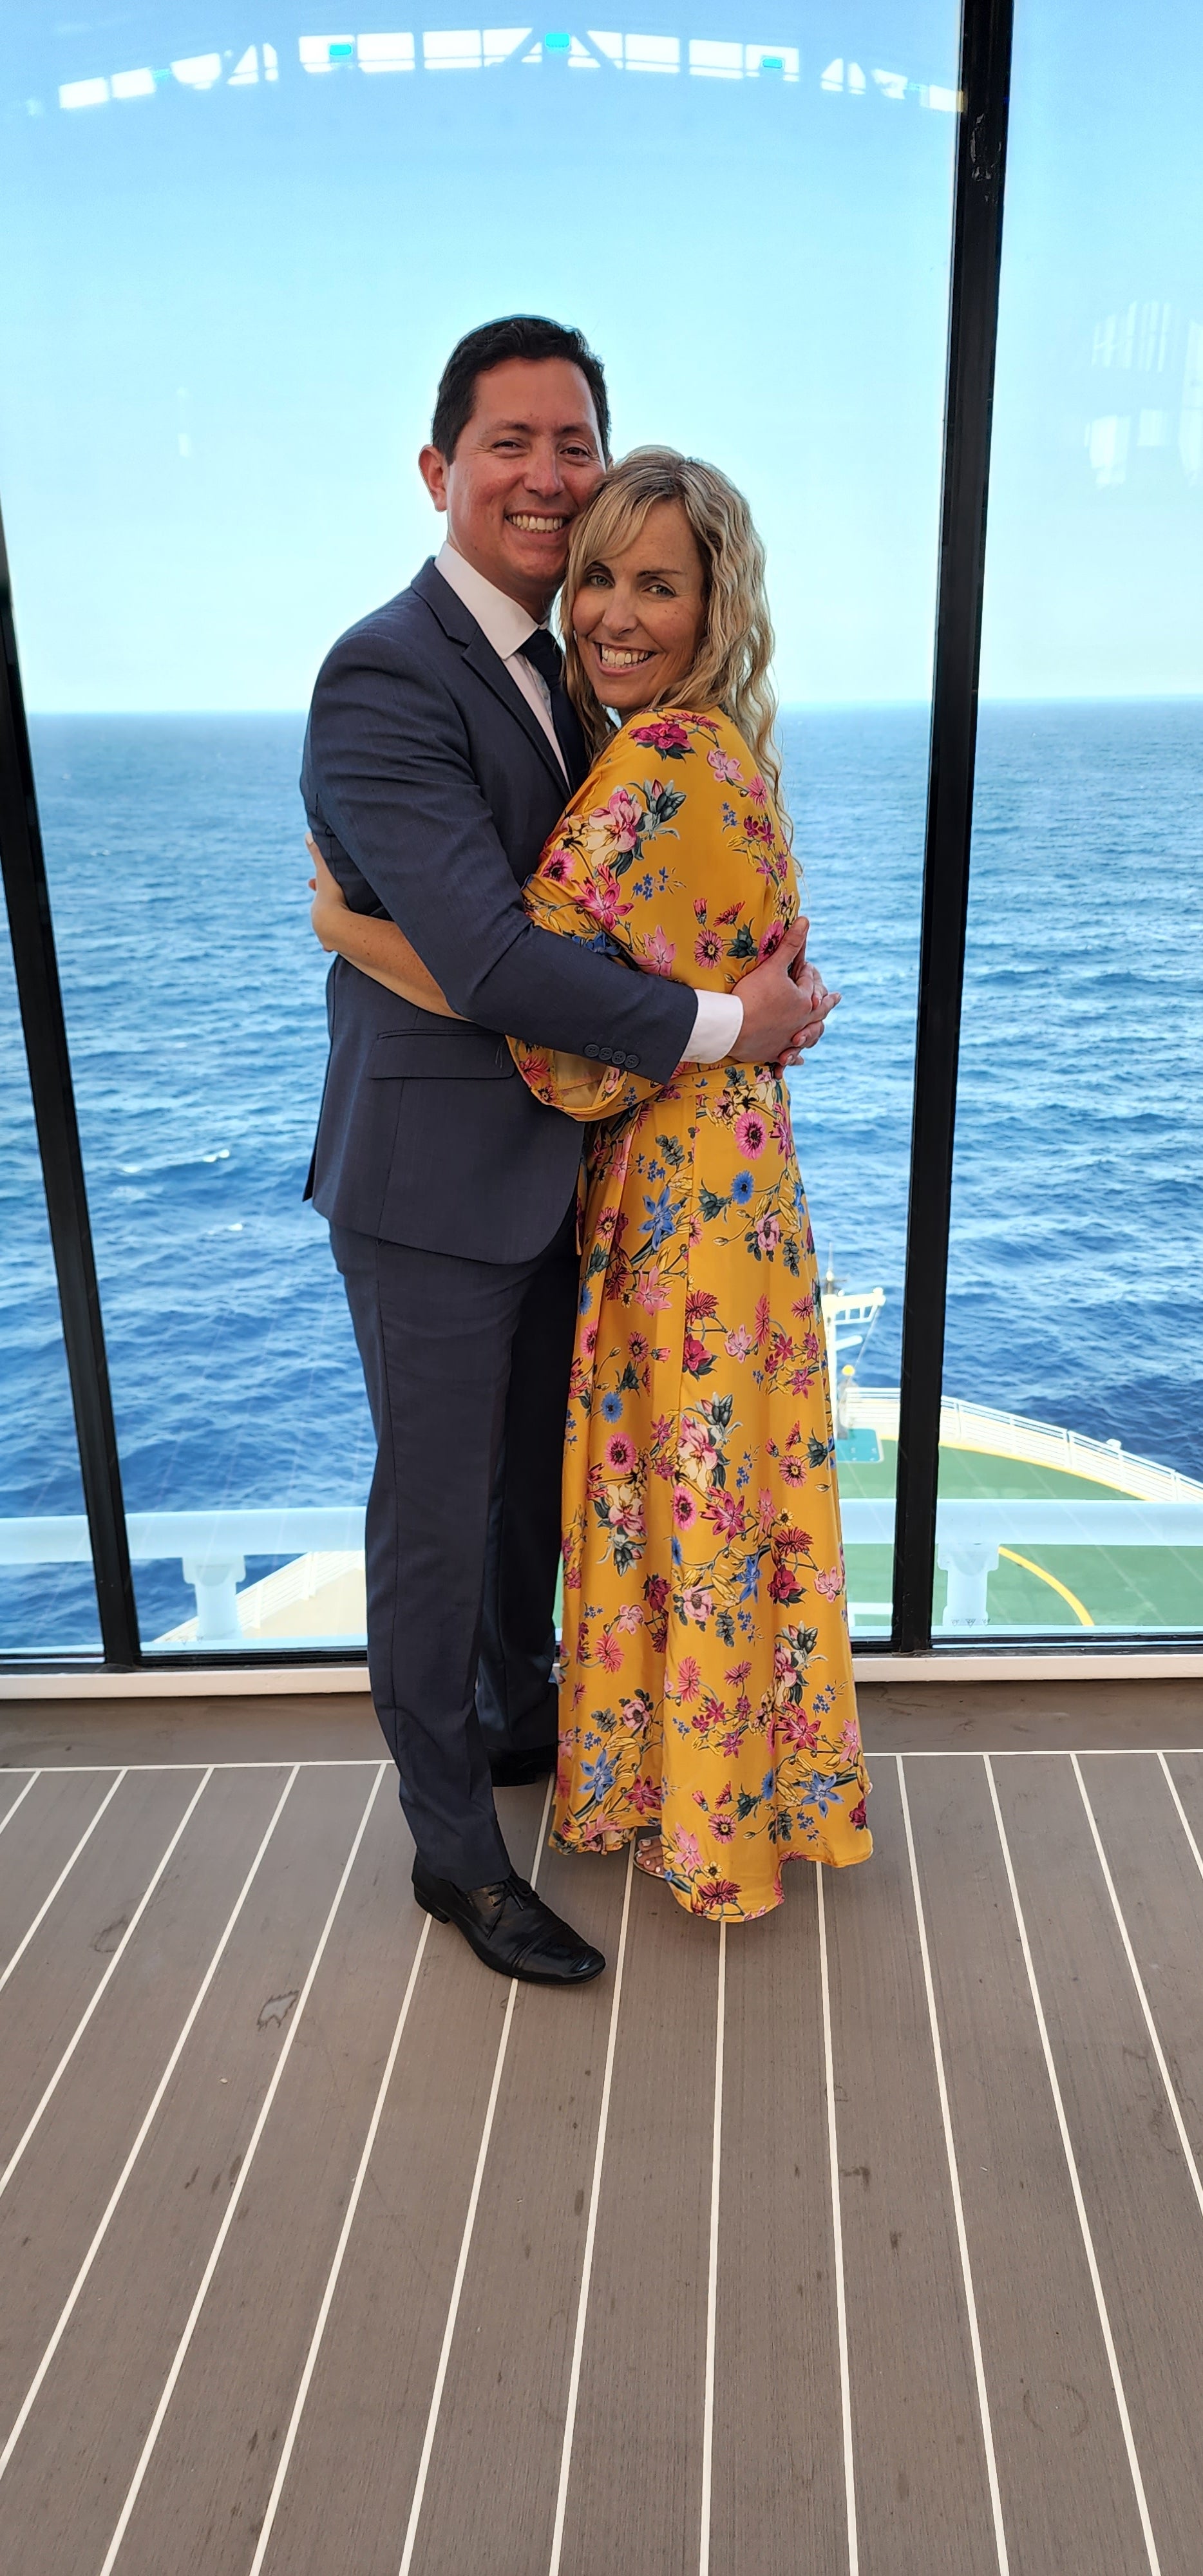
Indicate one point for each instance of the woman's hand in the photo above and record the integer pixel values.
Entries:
(329, 901)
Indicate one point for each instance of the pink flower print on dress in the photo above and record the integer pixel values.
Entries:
(751, 1133)
(667, 735)
(689, 1674)
(831, 1584)
(725, 1511)
(685, 1510)
(620, 1454)
(707, 948)
(757, 790)
(653, 1291)
(767, 1231)
(623, 816)
(728, 770)
(604, 899)
(739, 1343)
(558, 868)
(659, 954)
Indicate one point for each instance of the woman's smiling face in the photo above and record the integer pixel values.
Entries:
(639, 616)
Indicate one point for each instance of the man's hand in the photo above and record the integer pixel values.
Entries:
(786, 1005)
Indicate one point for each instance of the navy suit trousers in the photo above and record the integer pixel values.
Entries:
(467, 1365)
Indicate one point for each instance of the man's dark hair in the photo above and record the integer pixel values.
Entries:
(520, 335)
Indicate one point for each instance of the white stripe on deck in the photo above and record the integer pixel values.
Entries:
(1183, 1818)
(979, 2367)
(64, 1875)
(1117, 2384)
(22, 1794)
(716, 2166)
(139, 2142)
(837, 2234)
(231, 2208)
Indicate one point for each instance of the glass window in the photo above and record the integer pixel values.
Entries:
(233, 273)
(1070, 1495)
(47, 1597)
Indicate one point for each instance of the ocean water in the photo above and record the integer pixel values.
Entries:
(194, 997)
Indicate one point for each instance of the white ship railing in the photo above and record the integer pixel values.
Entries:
(995, 1434)
(212, 1547)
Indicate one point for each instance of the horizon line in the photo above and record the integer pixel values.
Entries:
(788, 706)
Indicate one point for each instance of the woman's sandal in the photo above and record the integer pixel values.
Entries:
(649, 1852)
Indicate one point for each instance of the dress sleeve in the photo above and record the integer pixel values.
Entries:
(581, 1086)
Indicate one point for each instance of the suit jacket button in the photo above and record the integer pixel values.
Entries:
(593, 1053)
(632, 1061)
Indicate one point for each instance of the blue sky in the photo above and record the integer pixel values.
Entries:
(223, 308)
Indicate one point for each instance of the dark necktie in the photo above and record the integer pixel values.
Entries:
(543, 652)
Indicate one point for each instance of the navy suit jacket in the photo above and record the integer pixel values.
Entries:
(431, 789)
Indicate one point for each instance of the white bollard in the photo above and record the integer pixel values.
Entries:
(215, 1583)
(967, 1565)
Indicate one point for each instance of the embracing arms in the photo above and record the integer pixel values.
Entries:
(376, 946)
(396, 805)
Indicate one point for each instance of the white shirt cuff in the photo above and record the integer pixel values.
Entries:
(720, 1017)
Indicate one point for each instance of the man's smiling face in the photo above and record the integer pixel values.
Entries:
(527, 462)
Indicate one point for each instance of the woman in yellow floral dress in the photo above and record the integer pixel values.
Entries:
(707, 1704)
(707, 1680)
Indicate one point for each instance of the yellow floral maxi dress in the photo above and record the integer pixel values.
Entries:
(707, 1672)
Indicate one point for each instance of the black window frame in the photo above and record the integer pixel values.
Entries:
(983, 103)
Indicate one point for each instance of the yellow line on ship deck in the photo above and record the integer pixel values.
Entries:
(1078, 1607)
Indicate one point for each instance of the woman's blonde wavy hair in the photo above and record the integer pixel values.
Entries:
(732, 665)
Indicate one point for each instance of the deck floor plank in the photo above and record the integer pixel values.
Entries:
(1066, 2493)
(922, 2494)
(490, 2499)
(634, 2496)
(39, 1843)
(778, 2496)
(1143, 2214)
(64, 2489)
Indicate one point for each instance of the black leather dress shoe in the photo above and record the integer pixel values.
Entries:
(513, 1770)
(511, 1929)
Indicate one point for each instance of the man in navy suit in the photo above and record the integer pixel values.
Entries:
(441, 750)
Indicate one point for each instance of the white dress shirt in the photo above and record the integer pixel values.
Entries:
(506, 625)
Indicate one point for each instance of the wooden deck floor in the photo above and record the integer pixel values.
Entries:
(867, 2240)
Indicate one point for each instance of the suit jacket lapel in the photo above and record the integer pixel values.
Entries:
(459, 623)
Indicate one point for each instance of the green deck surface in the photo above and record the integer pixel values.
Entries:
(1124, 1588)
